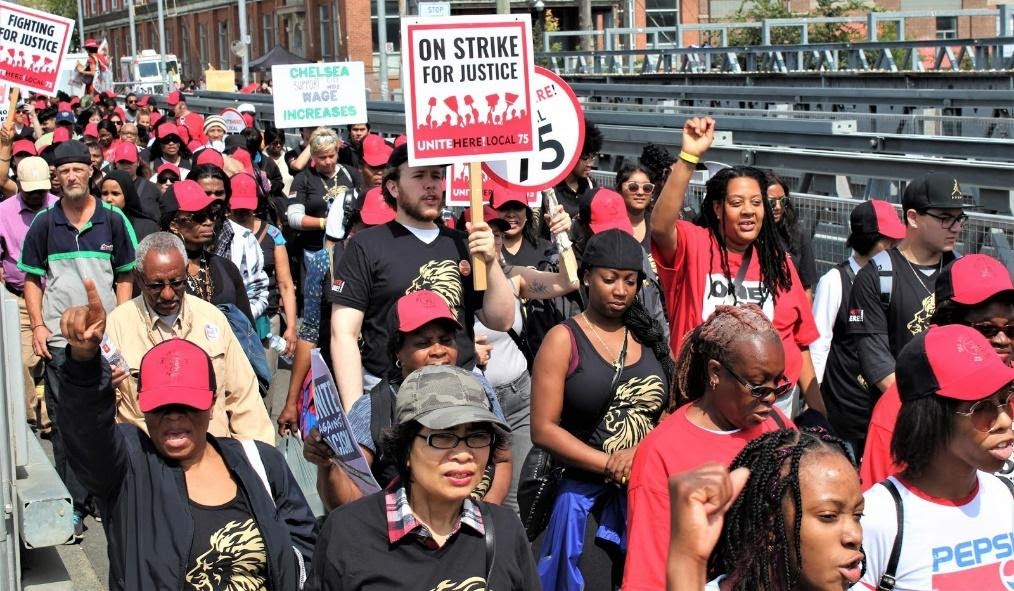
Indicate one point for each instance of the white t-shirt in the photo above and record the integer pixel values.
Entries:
(826, 302)
(965, 545)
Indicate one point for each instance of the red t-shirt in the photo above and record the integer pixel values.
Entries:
(694, 285)
(877, 463)
(675, 446)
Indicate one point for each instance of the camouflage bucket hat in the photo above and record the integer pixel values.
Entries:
(443, 396)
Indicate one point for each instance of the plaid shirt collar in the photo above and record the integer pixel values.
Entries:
(401, 522)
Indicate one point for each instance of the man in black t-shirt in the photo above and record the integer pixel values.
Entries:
(892, 296)
(410, 253)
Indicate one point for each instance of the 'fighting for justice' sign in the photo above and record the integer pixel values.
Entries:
(32, 45)
(467, 85)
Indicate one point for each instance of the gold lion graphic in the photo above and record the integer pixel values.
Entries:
(632, 412)
(472, 584)
(441, 277)
(235, 562)
(921, 318)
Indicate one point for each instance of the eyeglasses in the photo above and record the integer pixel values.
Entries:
(990, 330)
(761, 391)
(477, 440)
(174, 284)
(644, 187)
(589, 157)
(947, 221)
(985, 413)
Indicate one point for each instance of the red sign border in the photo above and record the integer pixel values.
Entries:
(539, 70)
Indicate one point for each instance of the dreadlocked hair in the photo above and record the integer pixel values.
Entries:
(774, 265)
(650, 333)
(657, 160)
(754, 550)
(714, 339)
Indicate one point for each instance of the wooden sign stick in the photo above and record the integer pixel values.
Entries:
(12, 103)
(475, 206)
(567, 259)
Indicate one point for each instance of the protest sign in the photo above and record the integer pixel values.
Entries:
(559, 119)
(458, 191)
(32, 46)
(5, 104)
(335, 429)
(311, 95)
(220, 80)
(467, 83)
(234, 122)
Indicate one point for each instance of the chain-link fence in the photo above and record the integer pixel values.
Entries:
(826, 219)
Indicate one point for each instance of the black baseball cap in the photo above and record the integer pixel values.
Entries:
(934, 190)
(614, 249)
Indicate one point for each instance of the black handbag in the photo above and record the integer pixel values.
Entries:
(540, 477)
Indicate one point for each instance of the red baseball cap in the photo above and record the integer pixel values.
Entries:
(244, 157)
(376, 151)
(953, 361)
(64, 106)
(24, 147)
(167, 129)
(174, 98)
(375, 210)
(503, 195)
(125, 152)
(210, 156)
(972, 279)
(876, 217)
(175, 371)
(489, 215)
(75, 100)
(91, 44)
(61, 134)
(191, 196)
(422, 307)
(604, 209)
(244, 192)
(170, 167)
(401, 140)
(91, 130)
(142, 101)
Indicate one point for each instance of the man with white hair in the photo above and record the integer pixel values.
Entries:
(164, 311)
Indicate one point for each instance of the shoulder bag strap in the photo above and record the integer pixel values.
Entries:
(522, 344)
(743, 267)
(887, 580)
(1006, 482)
(490, 535)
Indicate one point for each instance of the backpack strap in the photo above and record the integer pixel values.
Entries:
(522, 343)
(490, 538)
(1007, 482)
(885, 271)
(381, 411)
(887, 580)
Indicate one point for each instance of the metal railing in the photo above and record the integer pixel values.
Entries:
(37, 510)
(950, 55)
(826, 220)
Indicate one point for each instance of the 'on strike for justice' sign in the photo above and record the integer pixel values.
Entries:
(467, 87)
(32, 45)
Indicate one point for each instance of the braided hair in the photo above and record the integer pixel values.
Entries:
(754, 550)
(714, 339)
(774, 265)
(651, 334)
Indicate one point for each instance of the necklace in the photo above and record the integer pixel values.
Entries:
(919, 277)
(201, 284)
(616, 363)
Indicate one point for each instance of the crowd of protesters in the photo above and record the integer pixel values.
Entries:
(699, 410)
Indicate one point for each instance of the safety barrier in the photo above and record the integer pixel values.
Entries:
(37, 508)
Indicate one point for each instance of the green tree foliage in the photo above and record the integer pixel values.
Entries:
(759, 10)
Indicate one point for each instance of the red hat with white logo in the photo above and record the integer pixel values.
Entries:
(972, 279)
(604, 209)
(422, 307)
(244, 192)
(953, 361)
(176, 371)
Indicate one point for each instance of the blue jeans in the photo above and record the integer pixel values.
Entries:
(516, 402)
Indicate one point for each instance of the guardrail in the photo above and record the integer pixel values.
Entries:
(827, 222)
(880, 56)
(36, 506)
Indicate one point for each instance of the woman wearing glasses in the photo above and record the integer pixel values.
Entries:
(210, 277)
(954, 426)
(975, 290)
(169, 147)
(425, 531)
(274, 148)
(731, 369)
(633, 182)
(795, 240)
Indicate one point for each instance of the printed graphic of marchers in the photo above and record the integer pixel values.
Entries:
(468, 86)
(335, 429)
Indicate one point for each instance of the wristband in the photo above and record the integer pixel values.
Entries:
(37, 326)
(323, 222)
(690, 158)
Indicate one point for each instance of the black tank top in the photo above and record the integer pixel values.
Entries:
(641, 392)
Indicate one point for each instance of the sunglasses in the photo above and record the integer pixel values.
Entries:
(990, 330)
(985, 413)
(174, 284)
(200, 217)
(219, 193)
(644, 187)
(761, 391)
(167, 180)
(171, 140)
(477, 440)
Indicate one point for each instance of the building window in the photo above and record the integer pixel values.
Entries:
(295, 29)
(185, 52)
(224, 52)
(393, 24)
(202, 47)
(662, 13)
(268, 31)
(93, 8)
(947, 27)
(116, 4)
(326, 33)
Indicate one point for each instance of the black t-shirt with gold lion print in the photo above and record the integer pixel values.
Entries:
(228, 550)
(383, 263)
